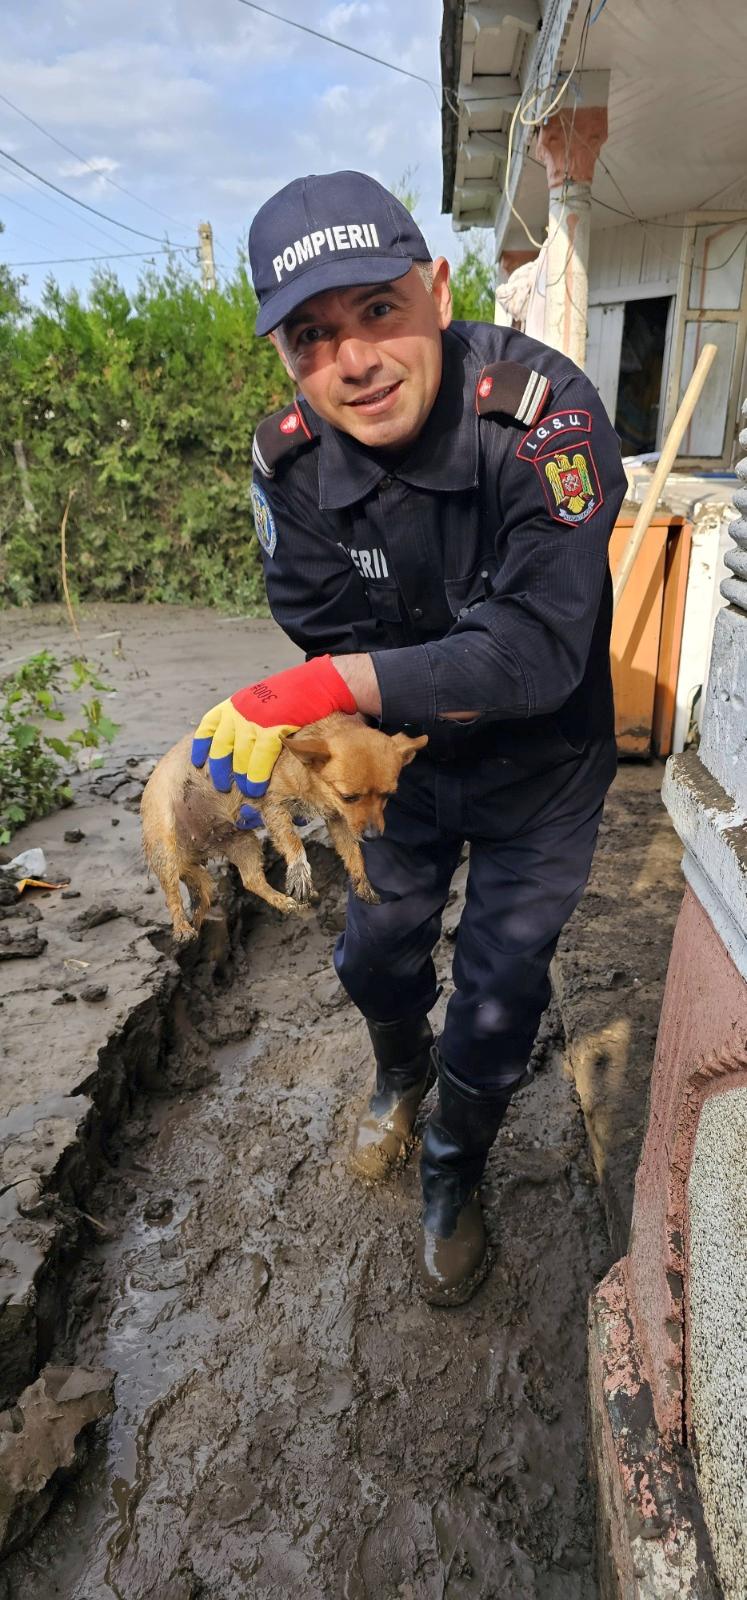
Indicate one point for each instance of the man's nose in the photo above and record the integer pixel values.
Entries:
(356, 360)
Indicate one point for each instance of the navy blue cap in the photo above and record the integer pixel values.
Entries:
(328, 232)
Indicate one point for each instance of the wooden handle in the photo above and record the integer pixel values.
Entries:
(663, 467)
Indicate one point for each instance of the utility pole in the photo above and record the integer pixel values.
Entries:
(207, 257)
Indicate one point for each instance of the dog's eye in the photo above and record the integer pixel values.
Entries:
(350, 799)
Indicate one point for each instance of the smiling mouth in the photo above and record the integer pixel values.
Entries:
(377, 396)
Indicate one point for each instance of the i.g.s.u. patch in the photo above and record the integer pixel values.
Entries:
(264, 521)
(571, 483)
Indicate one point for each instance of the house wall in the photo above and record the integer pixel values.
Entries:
(625, 263)
(634, 259)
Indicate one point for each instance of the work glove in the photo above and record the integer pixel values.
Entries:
(242, 737)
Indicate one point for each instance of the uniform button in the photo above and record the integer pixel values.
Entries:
(417, 613)
(484, 574)
(385, 483)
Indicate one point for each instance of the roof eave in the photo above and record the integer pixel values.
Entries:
(451, 52)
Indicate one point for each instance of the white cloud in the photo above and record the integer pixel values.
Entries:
(203, 112)
(380, 135)
(339, 17)
(98, 168)
(336, 99)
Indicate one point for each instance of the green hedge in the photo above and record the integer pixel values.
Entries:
(146, 406)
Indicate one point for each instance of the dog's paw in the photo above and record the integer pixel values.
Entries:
(298, 882)
(365, 891)
(184, 933)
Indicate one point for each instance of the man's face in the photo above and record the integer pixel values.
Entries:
(369, 359)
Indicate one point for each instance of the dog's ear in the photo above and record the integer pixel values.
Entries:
(408, 748)
(309, 748)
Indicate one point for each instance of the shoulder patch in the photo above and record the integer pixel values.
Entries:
(513, 391)
(565, 466)
(571, 483)
(542, 439)
(264, 520)
(279, 436)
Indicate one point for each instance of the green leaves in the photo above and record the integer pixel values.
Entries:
(146, 404)
(473, 284)
(33, 779)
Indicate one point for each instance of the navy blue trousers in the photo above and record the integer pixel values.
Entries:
(531, 838)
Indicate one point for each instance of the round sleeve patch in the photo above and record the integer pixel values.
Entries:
(264, 521)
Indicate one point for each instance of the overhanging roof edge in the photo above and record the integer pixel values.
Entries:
(451, 51)
(538, 67)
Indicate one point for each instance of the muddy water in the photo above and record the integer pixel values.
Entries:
(291, 1420)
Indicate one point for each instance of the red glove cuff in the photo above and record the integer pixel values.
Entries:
(297, 696)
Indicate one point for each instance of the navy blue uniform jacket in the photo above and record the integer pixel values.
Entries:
(475, 570)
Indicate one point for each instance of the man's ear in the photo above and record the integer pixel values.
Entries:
(276, 339)
(442, 292)
(408, 748)
(307, 747)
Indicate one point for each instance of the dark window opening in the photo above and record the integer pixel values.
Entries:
(641, 368)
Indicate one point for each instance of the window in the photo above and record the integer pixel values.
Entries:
(712, 309)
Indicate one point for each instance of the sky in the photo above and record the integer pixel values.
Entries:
(201, 109)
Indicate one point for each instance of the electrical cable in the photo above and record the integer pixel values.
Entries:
(11, 200)
(531, 97)
(61, 261)
(341, 44)
(78, 157)
(82, 203)
(23, 238)
(91, 227)
(647, 223)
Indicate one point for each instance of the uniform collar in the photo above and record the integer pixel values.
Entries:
(445, 455)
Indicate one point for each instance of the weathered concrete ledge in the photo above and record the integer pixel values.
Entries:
(713, 829)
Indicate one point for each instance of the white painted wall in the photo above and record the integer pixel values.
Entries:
(603, 344)
(634, 259)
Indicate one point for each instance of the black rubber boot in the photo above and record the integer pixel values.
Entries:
(450, 1255)
(404, 1074)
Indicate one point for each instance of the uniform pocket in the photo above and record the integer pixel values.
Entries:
(464, 593)
(383, 599)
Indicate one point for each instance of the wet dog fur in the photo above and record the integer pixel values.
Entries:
(339, 769)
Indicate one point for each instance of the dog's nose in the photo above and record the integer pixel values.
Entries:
(372, 831)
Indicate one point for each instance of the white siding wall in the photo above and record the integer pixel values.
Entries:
(632, 259)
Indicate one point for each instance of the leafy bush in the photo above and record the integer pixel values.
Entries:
(33, 780)
(473, 283)
(146, 405)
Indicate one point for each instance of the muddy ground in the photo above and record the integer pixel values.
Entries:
(290, 1419)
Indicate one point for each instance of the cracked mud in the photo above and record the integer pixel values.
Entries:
(290, 1418)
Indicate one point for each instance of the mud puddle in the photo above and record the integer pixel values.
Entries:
(291, 1420)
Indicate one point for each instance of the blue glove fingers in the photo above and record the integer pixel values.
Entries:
(221, 772)
(200, 751)
(251, 787)
(249, 818)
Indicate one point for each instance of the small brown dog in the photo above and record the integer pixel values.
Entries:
(338, 769)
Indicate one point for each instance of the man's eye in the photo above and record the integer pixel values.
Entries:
(310, 336)
(380, 308)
